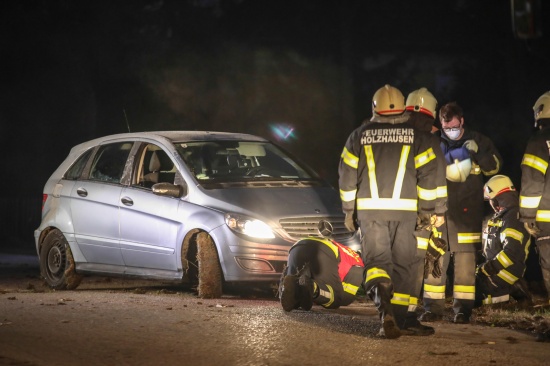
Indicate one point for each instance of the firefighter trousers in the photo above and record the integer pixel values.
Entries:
(463, 286)
(390, 255)
(543, 249)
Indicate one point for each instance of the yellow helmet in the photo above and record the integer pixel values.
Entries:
(542, 107)
(497, 185)
(422, 101)
(388, 101)
(459, 170)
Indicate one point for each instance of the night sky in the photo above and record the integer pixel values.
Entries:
(75, 70)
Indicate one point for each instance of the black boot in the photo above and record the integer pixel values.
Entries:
(413, 327)
(546, 278)
(381, 295)
(520, 292)
(306, 288)
(289, 293)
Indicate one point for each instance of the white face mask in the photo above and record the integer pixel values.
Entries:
(453, 134)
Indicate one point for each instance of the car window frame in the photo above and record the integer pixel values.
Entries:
(124, 179)
(136, 164)
(90, 153)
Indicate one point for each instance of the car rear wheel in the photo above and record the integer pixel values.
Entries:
(209, 271)
(57, 263)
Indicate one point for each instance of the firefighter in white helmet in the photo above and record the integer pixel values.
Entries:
(421, 106)
(464, 149)
(386, 177)
(505, 247)
(534, 199)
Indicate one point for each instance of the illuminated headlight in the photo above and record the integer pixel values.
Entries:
(248, 226)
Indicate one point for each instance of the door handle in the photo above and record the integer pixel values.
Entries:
(82, 192)
(127, 201)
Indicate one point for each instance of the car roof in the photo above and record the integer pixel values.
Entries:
(173, 136)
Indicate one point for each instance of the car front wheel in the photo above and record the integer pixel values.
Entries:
(57, 263)
(209, 271)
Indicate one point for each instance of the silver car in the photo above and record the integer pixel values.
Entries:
(200, 207)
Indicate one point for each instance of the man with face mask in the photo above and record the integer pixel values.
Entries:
(470, 156)
(505, 248)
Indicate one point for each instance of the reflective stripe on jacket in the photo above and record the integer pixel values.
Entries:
(388, 172)
(534, 200)
(507, 245)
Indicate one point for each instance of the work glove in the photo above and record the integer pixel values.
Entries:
(424, 221)
(471, 146)
(436, 248)
(437, 270)
(432, 266)
(349, 222)
(439, 220)
(488, 269)
(532, 228)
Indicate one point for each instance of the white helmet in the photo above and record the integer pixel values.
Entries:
(497, 185)
(459, 170)
(422, 101)
(542, 107)
(388, 101)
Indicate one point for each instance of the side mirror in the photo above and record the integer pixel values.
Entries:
(170, 190)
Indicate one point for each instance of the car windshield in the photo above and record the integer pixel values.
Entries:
(221, 161)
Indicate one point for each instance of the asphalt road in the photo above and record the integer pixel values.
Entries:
(130, 322)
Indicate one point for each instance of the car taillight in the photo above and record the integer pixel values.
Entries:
(44, 198)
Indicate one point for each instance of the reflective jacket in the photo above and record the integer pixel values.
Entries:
(465, 199)
(387, 171)
(507, 245)
(534, 200)
(350, 264)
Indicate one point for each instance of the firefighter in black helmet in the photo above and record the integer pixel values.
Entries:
(387, 176)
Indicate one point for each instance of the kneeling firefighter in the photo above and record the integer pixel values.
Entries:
(320, 271)
(505, 248)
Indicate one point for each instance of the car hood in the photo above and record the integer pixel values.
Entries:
(273, 203)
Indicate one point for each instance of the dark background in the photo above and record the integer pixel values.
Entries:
(75, 70)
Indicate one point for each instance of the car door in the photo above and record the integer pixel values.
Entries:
(149, 224)
(95, 205)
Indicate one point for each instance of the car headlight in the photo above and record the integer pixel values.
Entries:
(248, 226)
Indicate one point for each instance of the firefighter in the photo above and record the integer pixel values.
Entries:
(505, 248)
(470, 157)
(422, 109)
(387, 176)
(534, 199)
(320, 271)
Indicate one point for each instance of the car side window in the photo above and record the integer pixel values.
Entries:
(155, 166)
(74, 172)
(109, 162)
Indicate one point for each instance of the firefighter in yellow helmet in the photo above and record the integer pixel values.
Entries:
(320, 271)
(387, 178)
(534, 199)
(470, 157)
(421, 106)
(505, 247)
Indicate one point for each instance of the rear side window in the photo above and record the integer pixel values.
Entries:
(75, 170)
(109, 162)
